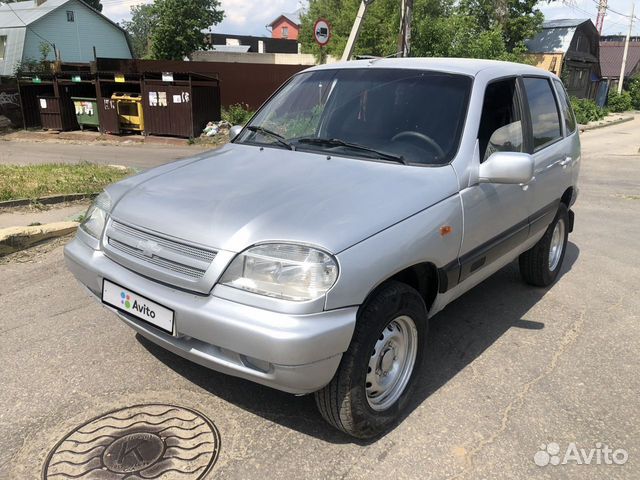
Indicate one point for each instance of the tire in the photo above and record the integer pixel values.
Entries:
(539, 266)
(344, 402)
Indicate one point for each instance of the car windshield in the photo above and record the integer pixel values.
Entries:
(408, 116)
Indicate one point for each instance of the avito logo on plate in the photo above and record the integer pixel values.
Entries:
(140, 307)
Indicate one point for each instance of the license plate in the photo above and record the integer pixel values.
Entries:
(138, 306)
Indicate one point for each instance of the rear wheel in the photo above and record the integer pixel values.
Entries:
(377, 374)
(541, 264)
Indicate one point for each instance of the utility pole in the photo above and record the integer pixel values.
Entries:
(404, 40)
(602, 11)
(626, 49)
(355, 30)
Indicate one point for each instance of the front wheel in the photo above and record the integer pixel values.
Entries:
(541, 264)
(378, 373)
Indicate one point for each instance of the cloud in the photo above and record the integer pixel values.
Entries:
(247, 17)
(250, 16)
(613, 23)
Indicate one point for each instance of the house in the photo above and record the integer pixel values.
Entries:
(569, 48)
(611, 52)
(73, 27)
(286, 26)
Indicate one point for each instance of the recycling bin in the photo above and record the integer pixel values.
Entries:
(129, 110)
(86, 112)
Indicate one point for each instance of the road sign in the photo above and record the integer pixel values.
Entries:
(322, 32)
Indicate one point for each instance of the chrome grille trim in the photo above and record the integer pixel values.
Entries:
(160, 262)
(163, 258)
(186, 250)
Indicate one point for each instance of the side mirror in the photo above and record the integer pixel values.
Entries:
(507, 167)
(235, 131)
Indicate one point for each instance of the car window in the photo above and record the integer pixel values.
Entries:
(565, 105)
(545, 118)
(413, 114)
(500, 124)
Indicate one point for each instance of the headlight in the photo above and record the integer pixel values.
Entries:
(289, 272)
(96, 216)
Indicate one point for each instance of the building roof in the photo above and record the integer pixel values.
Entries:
(20, 13)
(293, 17)
(555, 36)
(611, 58)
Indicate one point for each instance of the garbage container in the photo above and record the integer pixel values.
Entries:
(86, 112)
(129, 109)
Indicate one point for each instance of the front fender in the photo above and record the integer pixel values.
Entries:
(414, 240)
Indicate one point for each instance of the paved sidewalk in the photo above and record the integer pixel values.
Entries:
(30, 215)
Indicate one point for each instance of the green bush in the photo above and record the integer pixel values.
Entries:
(619, 102)
(587, 110)
(634, 91)
(237, 114)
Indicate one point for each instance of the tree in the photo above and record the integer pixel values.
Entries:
(139, 28)
(94, 4)
(179, 26)
(450, 28)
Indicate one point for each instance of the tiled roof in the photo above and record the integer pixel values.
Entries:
(293, 17)
(611, 58)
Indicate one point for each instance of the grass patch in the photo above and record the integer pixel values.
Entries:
(34, 181)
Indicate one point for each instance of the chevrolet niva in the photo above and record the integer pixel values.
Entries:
(310, 252)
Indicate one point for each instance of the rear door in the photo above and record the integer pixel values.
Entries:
(550, 149)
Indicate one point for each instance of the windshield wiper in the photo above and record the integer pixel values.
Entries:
(278, 138)
(336, 142)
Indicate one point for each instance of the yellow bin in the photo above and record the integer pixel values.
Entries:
(129, 108)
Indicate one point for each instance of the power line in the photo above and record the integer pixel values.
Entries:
(617, 13)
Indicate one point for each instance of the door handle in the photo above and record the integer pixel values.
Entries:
(565, 162)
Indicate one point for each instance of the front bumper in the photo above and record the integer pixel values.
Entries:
(294, 353)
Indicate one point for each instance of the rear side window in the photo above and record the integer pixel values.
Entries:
(567, 111)
(545, 118)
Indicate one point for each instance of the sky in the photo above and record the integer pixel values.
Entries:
(249, 17)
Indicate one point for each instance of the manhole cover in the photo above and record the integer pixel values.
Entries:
(140, 442)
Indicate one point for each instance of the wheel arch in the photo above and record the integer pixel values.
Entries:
(567, 196)
(423, 277)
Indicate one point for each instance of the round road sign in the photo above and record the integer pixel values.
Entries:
(322, 32)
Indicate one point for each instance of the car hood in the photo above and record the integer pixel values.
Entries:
(241, 195)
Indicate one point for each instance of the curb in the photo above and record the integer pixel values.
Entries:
(95, 137)
(586, 128)
(48, 200)
(14, 239)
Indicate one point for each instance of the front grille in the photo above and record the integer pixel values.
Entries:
(156, 252)
(193, 252)
(158, 261)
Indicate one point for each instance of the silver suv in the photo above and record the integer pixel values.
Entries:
(309, 253)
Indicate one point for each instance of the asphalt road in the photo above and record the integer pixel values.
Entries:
(16, 152)
(512, 368)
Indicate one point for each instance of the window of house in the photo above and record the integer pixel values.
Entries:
(285, 32)
(545, 117)
(70, 16)
(3, 46)
(500, 124)
(567, 112)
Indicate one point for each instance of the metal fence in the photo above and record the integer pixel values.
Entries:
(178, 98)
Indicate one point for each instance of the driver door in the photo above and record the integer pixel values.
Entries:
(495, 215)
